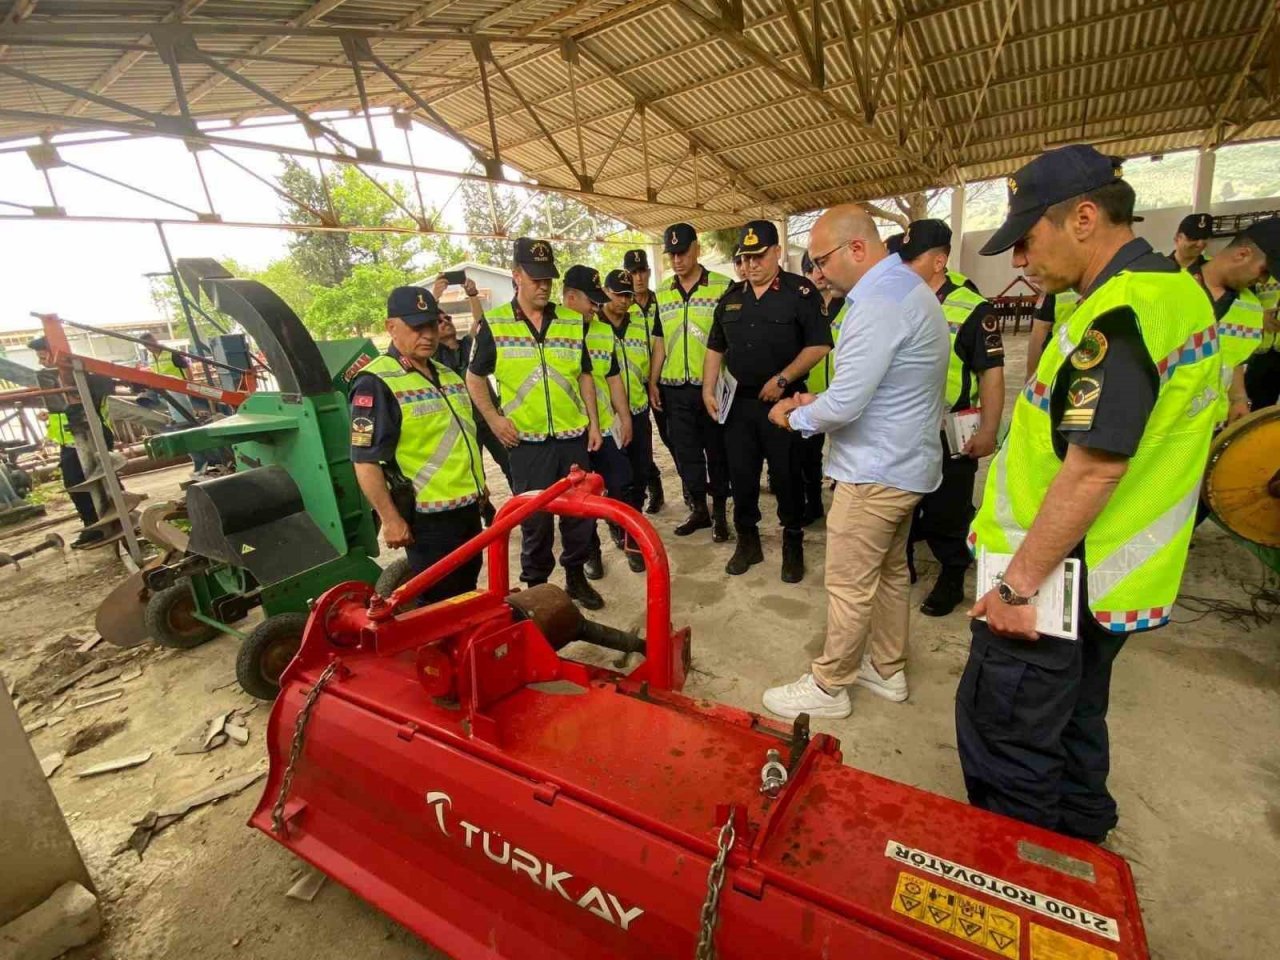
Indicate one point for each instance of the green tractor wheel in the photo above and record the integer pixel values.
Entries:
(170, 619)
(267, 651)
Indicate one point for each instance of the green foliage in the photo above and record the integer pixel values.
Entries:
(356, 306)
(719, 243)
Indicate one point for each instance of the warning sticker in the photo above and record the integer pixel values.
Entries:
(1049, 944)
(1012, 893)
(951, 912)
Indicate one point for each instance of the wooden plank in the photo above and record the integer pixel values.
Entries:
(111, 766)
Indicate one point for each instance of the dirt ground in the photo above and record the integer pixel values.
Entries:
(1194, 721)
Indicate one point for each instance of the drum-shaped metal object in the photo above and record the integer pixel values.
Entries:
(1242, 483)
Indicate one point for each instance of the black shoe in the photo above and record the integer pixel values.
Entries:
(594, 567)
(699, 519)
(719, 523)
(792, 556)
(688, 497)
(635, 560)
(580, 591)
(946, 594)
(86, 538)
(747, 553)
(657, 499)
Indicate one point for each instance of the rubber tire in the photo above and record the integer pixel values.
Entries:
(274, 635)
(394, 574)
(176, 602)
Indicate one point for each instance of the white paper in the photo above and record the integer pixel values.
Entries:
(726, 387)
(960, 428)
(615, 431)
(1057, 602)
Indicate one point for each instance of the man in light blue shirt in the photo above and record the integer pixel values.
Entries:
(883, 411)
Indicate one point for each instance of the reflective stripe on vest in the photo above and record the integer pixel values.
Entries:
(538, 382)
(1064, 305)
(686, 324)
(819, 378)
(437, 450)
(959, 304)
(1136, 548)
(1239, 335)
(601, 344)
(59, 430)
(635, 345)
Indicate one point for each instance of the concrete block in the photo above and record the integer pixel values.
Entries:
(67, 919)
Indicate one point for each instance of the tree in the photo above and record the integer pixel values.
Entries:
(356, 306)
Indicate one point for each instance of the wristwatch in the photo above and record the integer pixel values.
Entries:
(782, 382)
(1011, 596)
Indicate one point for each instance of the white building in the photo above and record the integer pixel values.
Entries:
(492, 283)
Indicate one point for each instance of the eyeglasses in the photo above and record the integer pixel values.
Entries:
(821, 261)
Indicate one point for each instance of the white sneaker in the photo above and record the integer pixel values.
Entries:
(894, 688)
(805, 696)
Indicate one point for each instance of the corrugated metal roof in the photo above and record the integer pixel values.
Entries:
(737, 123)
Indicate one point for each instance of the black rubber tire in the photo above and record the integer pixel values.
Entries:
(395, 573)
(267, 651)
(169, 621)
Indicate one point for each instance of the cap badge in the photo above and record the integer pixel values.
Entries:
(539, 251)
(1119, 170)
(1013, 186)
(674, 239)
(422, 302)
(595, 278)
(1203, 221)
(750, 239)
(906, 237)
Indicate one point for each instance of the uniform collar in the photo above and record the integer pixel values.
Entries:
(408, 366)
(944, 291)
(1131, 251)
(702, 278)
(1224, 302)
(548, 312)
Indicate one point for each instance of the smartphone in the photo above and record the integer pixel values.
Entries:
(455, 277)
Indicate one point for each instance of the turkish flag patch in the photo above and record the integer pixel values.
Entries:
(362, 400)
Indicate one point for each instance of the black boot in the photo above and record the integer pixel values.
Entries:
(698, 519)
(579, 590)
(946, 593)
(635, 559)
(720, 523)
(792, 556)
(747, 553)
(594, 567)
(656, 497)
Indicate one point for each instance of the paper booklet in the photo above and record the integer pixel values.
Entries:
(615, 431)
(1058, 601)
(959, 428)
(726, 387)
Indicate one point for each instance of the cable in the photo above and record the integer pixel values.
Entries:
(1263, 607)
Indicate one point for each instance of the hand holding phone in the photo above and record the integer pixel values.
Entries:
(455, 277)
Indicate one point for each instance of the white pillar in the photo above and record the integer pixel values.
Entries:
(1202, 182)
(655, 265)
(957, 224)
(782, 242)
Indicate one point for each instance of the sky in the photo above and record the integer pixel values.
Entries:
(95, 273)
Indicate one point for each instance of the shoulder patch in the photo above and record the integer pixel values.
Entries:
(361, 432)
(1093, 347)
(1083, 392)
(989, 323)
(362, 400)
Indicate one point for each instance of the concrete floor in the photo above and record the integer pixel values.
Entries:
(1195, 723)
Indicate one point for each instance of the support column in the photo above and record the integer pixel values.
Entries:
(1202, 181)
(657, 266)
(782, 242)
(957, 224)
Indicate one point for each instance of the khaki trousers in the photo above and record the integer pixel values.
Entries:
(868, 585)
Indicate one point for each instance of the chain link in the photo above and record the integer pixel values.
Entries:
(299, 733)
(715, 880)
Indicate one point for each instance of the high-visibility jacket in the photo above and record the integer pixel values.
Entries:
(1064, 305)
(959, 279)
(1239, 335)
(59, 430)
(819, 378)
(635, 348)
(437, 450)
(1136, 548)
(538, 382)
(1269, 297)
(602, 346)
(957, 307)
(686, 324)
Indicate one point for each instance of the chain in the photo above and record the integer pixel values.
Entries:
(299, 734)
(715, 880)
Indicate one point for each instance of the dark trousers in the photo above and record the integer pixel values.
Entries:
(699, 442)
(535, 466)
(942, 518)
(640, 454)
(751, 440)
(1031, 728)
(660, 422)
(614, 466)
(496, 450)
(810, 450)
(1262, 379)
(73, 473)
(436, 535)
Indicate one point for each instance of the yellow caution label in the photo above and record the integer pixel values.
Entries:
(1049, 944)
(952, 912)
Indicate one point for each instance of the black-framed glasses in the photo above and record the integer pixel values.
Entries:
(821, 261)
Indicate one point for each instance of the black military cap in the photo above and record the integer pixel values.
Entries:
(536, 258)
(1050, 178)
(587, 280)
(894, 243)
(619, 281)
(635, 260)
(414, 305)
(1266, 235)
(679, 238)
(806, 263)
(756, 237)
(1196, 226)
(39, 344)
(923, 236)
